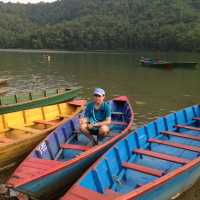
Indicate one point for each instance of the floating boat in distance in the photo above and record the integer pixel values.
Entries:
(165, 64)
(3, 91)
(21, 131)
(13, 103)
(158, 161)
(4, 81)
(63, 156)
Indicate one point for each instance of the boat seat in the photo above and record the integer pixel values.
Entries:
(188, 127)
(117, 113)
(181, 135)
(45, 122)
(119, 123)
(111, 193)
(176, 145)
(78, 192)
(196, 118)
(5, 140)
(75, 147)
(64, 116)
(143, 169)
(161, 156)
(26, 129)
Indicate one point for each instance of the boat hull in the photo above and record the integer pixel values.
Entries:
(59, 177)
(13, 153)
(174, 187)
(45, 101)
(169, 65)
(21, 131)
(158, 161)
(54, 185)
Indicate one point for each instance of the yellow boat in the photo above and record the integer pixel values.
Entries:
(21, 131)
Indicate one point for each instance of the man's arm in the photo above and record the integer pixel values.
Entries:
(85, 117)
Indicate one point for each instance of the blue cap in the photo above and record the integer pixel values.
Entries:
(99, 91)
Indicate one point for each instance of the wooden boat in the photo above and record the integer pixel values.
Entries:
(166, 64)
(4, 81)
(157, 161)
(3, 91)
(21, 131)
(63, 156)
(13, 103)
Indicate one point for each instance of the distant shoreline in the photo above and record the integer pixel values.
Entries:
(116, 51)
(65, 51)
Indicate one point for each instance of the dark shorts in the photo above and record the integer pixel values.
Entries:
(94, 131)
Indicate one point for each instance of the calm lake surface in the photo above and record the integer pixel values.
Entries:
(152, 92)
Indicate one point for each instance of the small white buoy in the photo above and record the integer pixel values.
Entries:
(49, 58)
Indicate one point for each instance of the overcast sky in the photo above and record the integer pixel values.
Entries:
(27, 1)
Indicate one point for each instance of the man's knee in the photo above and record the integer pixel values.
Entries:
(83, 121)
(103, 130)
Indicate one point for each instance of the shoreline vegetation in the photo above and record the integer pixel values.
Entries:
(87, 25)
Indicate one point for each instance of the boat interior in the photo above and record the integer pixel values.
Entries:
(147, 154)
(22, 124)
(67, 142)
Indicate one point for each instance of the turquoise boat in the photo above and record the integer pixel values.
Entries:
(156, 162)
(62, 157)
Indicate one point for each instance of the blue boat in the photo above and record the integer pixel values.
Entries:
(57, 162)
(156, 162)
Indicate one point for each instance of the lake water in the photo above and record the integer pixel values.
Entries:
(152, 92)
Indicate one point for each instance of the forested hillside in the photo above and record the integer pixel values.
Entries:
(102, 24)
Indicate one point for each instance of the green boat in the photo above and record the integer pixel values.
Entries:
(166, 64)
(13, 103)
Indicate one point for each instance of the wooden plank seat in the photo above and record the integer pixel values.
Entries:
(75, 147)
(78, 192)
(161, 156)
(45, 122)
(176, 145)
(181, 135)
(143, 169)
(196, 118)
(6, 140)
(64, 116)
(26, 129)
(117, 113)
(188, 127)
(119, 123)
(111, 193)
